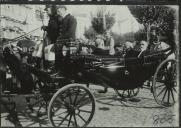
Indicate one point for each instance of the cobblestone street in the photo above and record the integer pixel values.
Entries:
(110, 112)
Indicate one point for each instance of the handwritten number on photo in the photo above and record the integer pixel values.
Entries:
(163, 118)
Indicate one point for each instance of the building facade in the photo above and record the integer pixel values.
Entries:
(16, 20)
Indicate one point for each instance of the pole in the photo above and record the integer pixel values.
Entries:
(17, 38)
(44, 35)
(104, 18)
(148, 33)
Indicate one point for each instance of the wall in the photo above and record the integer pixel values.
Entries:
(19, 19)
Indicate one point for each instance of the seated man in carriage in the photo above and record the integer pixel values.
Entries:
(130, 52)
(104, 45)
(99, 48)
(143, 48)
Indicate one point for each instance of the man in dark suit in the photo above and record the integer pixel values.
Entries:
(69, 23)
(53, 25)
(52, 31)
(128, 50)
(67, 31)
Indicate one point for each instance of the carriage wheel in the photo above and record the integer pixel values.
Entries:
(129, 93)
(164, 83)
(71, 106)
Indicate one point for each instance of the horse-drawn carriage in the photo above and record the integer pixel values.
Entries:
(70, 101)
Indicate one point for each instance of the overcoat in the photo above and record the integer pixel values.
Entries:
(69, 24)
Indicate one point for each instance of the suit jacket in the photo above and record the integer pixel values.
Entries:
(131, 53)
(69, 24)
(53, 28)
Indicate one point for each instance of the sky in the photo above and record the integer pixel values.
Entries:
(122, 14)
(125, 22)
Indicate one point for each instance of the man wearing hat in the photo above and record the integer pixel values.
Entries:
(67, 30)
(53, 24)
(69, 23)
(52, 29)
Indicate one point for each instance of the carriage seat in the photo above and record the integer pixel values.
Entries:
(153, 57)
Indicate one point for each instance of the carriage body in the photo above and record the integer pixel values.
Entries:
(112, 71)
(78, 66)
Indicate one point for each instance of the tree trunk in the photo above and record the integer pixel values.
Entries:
(104, 21)
(148, 33)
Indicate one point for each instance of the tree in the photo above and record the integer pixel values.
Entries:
(160, 16)
(97, 21)
(140, 35)
(90, 33)
(121, 39)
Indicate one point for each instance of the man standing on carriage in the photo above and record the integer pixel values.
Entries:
(52, 30)
(53, 25)
(67, 30)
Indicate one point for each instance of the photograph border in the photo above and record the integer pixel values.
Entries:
(111, 2)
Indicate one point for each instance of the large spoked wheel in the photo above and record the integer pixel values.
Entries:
(165, 84)
(129, 93)
(71, 106)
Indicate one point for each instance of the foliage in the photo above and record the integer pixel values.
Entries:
(90, 33)
(97, 21)
(140, 35)
(160, 16)
(121, 39)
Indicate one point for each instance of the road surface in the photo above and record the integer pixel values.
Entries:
(110, 111)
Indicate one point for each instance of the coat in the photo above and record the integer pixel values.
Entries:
(131, 54)
(53, 28)
(109, 44)
(69, 24)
